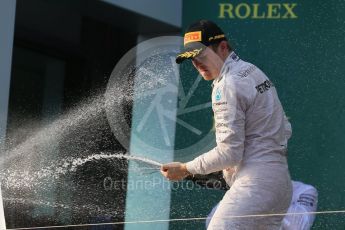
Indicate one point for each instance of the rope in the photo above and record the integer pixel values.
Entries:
(179, 219)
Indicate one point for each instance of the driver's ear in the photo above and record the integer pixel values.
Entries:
(223, 46)
(223, 49)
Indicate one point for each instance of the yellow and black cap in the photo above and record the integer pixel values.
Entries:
(198, 36)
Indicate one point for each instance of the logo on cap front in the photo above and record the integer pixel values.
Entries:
(192, 37)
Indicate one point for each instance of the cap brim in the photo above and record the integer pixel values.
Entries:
(189, 54)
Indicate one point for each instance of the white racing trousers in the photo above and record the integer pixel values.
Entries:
(256, 190)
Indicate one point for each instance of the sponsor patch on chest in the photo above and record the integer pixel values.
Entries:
(218, 95)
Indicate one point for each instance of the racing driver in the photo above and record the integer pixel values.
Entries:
(251, 135)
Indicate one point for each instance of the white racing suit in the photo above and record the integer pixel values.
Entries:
(304, 199)
(251, 136)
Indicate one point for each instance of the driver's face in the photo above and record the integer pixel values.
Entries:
(208, 64)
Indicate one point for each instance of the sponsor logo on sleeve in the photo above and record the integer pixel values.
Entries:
(263, 87)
